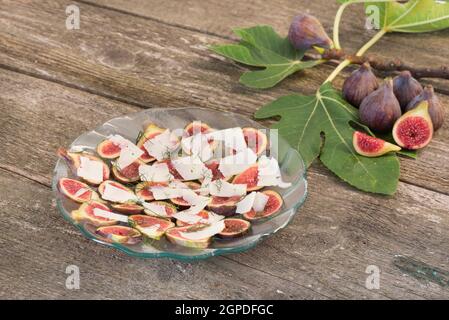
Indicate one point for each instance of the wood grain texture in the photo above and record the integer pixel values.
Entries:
(323, 253)
(220, 17)
(143, 62)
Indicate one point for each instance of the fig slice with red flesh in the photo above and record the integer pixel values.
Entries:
(116, 184)
(248, 177)
(216, 174)
(128, 174)
(86, 213)
(414, 129)
(180, 202)
(196, 127)
(143, 189)
(203, 214)
(150, 132)
(76, 190)
(127, 208)
(171, 169)
(273, 205)
(256, 140)
(369, 146)
(170, 209)
(108, 149)
(120, 234)
(73, 160)
(151, 227)
(175, 236)
(224, 206)
(234, 228)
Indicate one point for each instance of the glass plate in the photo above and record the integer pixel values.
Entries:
(129, 126)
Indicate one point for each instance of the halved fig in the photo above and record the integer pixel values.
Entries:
(86, 213)
(203, 214)
(180, 201)
(224, 206)
(234, 228)
(108, 149)
(414, 129)
(273, 205)
(248, 177)
(127, 208)
(76, 190)
(120, 234)
(196, 127)
(73, 160)
(256, 140)
(150, 227)
(169, 209)
(369, 146)
(174, 235)
(114, 184)
(143, 189)
(128, 174)
(150, 132)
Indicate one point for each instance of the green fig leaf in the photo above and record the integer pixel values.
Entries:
(304, 119)
(261, 46)
(414, 16)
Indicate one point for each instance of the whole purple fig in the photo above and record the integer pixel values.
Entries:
(306, 31)
(359, 85)
(380, 110)
(436, 109)
(405, 88)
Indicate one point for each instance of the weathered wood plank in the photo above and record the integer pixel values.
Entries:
(326, 249)
(146, 63)
(219, 17)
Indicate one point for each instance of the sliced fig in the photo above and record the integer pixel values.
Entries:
(256, 140)
(224, 206)
(248, 177)
(74, 162)
(116, 184)
(414, 129)
(128, 174)
(174, 235)
(108, 149)
(150, 132)
(234, 228)
(203, 214)
(76, 190)
(150, 227)
(180, 201)
(369, 146)
(273, 205)
(86, 213)
(127, 208)
(120, 234)
(169, 209)
(143, 189)
(196, 127)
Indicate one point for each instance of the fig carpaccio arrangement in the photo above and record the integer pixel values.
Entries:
(191, 187)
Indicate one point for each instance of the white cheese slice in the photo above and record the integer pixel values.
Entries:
(237, 163)
(80, 192)
(155, 208)
(190, 168)
(269, 173)
(260, 201)
(163, 193)
(232, 138)
(207, 179)
(246, 204)
(197, 145)
(212, 218)
(90, 170)
(110, 215)
(222, 188)
(129, 152)
(162, 145)
(114, 194)
(206, 232)
(187, 217)
(158, 172)
(151, 230)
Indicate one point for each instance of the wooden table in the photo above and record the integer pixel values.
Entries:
(127, 55)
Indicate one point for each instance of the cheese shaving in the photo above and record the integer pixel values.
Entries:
(156, 209)
(129, 152)
(90, 170)
(110, 215)
(206, 232)
(158, 172)
(190, 168)
(162, 145)
(222, 188)
(115, 194)
(235, 164)
(269, 173)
